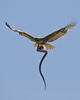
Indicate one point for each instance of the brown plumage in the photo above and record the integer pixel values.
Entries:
(49, 38)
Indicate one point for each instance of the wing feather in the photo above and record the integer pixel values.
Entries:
(57, 34)
(22, 33)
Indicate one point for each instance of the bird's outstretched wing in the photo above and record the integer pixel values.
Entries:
(57, 34)
(22, 33)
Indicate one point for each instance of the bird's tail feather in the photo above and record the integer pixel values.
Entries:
(46, 45)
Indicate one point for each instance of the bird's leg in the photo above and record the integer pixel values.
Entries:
(40, 49)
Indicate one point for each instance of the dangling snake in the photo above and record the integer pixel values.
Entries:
(40, 49)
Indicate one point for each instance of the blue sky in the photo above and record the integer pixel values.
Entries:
(19, 60)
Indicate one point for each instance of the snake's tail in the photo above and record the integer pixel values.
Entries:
(42, 76)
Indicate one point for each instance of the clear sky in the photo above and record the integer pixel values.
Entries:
(19, 60)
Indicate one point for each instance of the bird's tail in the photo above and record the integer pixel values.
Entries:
(46, 45)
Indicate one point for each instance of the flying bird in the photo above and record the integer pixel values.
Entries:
(42, 43)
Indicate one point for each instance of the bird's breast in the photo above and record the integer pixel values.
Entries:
(39, 40)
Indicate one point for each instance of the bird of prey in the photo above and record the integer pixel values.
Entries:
(42, 43)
